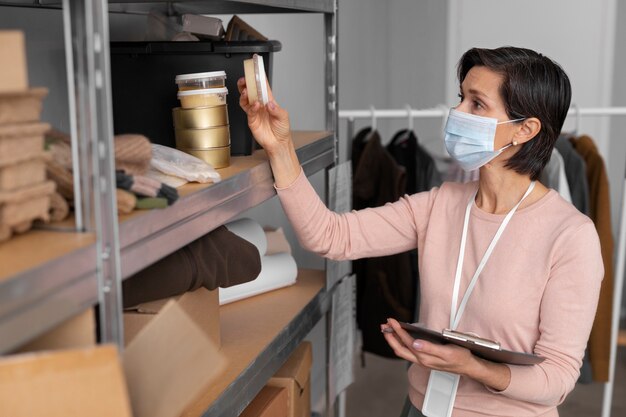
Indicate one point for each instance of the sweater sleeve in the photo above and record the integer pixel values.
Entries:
(380, 231)
(567, 311)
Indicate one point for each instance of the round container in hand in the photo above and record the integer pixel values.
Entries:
(190, 99)
(217, 157)
(200, 117)
(201, 80)
(213, 137)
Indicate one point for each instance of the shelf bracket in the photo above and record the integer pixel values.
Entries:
(93, 133)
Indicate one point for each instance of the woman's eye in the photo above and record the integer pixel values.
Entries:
(478, 104)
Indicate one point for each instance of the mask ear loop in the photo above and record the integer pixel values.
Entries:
(445, 111)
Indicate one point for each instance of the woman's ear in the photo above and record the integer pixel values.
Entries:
(528, 129)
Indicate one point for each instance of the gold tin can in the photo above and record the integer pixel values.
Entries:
(214, 137)
(217, 157)
(200, 117)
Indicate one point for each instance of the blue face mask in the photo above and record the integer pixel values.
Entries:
(470, 139)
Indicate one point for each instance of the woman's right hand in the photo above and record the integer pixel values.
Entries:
(269, 124)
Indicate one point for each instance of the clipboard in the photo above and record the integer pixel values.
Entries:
(483, 348)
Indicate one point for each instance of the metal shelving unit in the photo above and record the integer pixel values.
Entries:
(62, 281)
(284, 329)
(49, 276)
(145, 238)
(200, 6)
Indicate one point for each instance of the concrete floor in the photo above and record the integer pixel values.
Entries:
(381, 388)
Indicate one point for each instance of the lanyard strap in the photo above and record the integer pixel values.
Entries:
(456, 314)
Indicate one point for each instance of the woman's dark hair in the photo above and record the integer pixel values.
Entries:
(533, 85)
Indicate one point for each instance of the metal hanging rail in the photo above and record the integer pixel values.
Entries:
(442, 111)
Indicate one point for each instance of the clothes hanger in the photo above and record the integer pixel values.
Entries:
(373, 112)
(577, 120)
(410, 117)
(404, 135)
(373, 125)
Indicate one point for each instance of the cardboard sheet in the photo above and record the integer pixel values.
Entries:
(249, 326)
(13, 71)
(169, 363)
(202, 306)
(77, 332)
(276, 241)
(71, 383)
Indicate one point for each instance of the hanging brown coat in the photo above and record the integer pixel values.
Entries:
(600, 212)
(385, 285)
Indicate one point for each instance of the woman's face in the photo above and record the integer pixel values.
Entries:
(480, 95)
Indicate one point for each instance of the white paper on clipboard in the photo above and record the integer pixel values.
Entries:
(342, 337)
(339, 201)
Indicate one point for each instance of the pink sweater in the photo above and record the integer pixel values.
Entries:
(538, 292)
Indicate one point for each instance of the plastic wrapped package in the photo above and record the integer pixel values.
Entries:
(176, 163)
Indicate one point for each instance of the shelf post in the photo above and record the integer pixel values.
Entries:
(89, 28)
(330, 26)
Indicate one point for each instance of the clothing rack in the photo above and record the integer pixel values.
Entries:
(441, 111)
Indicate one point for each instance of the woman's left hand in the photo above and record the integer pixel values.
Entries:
(448, 358)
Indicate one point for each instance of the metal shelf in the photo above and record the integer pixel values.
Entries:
(146, 237)
(47, 276)
(198, 6)
(258, 335)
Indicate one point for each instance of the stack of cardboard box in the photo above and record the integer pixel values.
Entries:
(24, 191)
(288, 392)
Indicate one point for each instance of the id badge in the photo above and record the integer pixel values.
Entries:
(440, 394)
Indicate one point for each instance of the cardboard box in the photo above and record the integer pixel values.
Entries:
(202, 306)
(169, 362)
(76, 332)
(13, 71)
(82, 382)
(295, 376)
(270, 402)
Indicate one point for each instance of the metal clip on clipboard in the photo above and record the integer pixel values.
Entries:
(470, 338)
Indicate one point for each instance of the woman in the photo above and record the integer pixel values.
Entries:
(537, 286)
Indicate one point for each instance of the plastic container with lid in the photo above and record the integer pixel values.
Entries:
(190, 99)
(201, 80)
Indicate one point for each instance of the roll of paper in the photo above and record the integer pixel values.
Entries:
(251, 231)
(277, 271)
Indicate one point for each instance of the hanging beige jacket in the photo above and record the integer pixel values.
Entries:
(600, 212)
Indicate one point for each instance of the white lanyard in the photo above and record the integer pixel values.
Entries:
(456, 314)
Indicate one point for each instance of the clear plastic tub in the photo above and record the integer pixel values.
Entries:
(191, 99)
(201, 80)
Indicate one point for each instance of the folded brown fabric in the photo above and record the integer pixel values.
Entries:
(143, 186)
(62, 177)
(218, 259)
(59, 145)
(125, 201)
(59, 209)
(132, 154)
